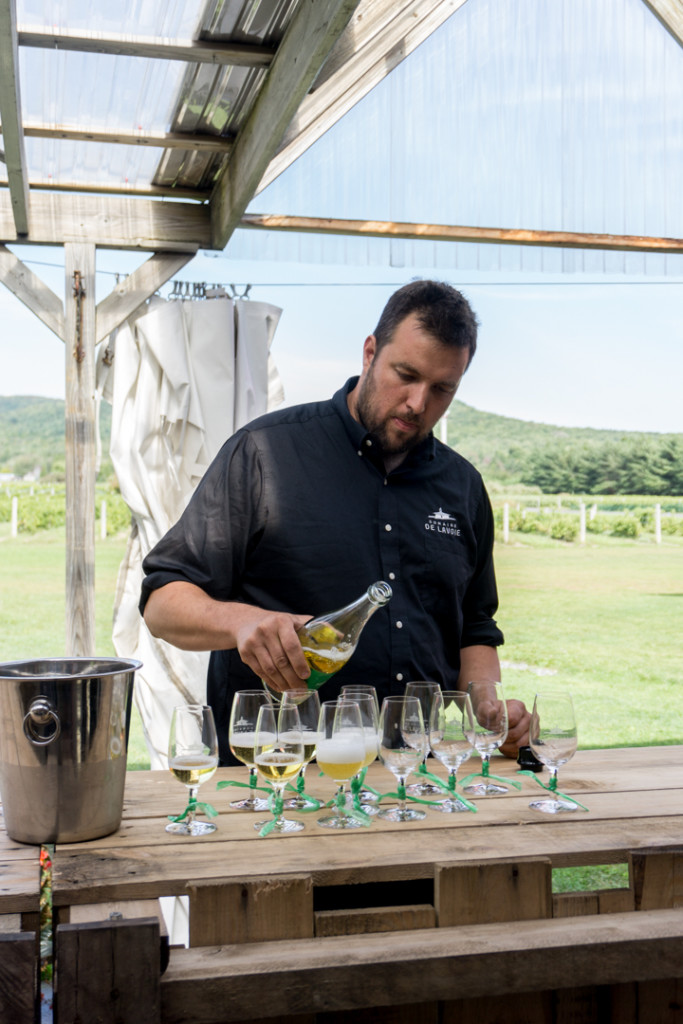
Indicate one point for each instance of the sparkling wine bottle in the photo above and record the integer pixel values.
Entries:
(329, 640)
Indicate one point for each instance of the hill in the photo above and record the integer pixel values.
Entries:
(32, 435)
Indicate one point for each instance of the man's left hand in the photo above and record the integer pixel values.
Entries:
(518, 728)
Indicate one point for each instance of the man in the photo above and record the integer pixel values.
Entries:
(305, 507)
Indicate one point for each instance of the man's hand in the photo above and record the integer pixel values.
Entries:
(518, 728)
(267, 642)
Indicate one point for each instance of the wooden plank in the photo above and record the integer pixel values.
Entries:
(194, 51)
(575, 904)
(657, 878)
(222, 984)
(80, 449)
(130, 294)
(122, 910)
(660, 1002)
(670, 14)
(10, 113)
(20, 882)
(425, 1013)
(381, 34)
(121, 188)
(460, 233)
(108, 973)
(236, 911)
(313, 30)
(18, 977)
(485, 892)
(160, 140)
(374, 919)
(33, 292)
(117, 222)
(530, 1008)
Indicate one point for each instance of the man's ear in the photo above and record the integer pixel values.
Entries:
(369, 350)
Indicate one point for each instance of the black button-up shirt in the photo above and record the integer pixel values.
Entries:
(297, 513)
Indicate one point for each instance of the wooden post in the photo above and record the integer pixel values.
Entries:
(80, 448)
(14, 529)
(582, 522)
(506, 523)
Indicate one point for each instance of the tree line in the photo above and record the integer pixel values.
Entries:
(625, 466)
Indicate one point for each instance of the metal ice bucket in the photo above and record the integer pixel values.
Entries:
(63, 745)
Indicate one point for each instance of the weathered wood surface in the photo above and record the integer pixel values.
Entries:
(108, 973)
(461, 963)
(634, 797)
(19, 876)
(18, 977)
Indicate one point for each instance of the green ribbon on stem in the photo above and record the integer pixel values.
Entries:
(448, 786)
(314, 803)
(245, 785)
(552, 788)
(401, 794)
(485, 774)
(192, 807)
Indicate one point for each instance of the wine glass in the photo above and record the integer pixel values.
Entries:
(361, 799)
(401, 748)
(246, 705)
(553, 739)
(192, 758)
(425, 693)
(490, 729)
(307, 702)
(450, 731)
(341, 753)
(278, 755)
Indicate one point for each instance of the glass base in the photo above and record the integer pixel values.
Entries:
(369, 808)
(424, 789)
(485, 789)
(552, 806)
(281, 825)
(250, 803)
(338, 821)
(192, 828)
(405, 814)
(296, 803)
(450, 806)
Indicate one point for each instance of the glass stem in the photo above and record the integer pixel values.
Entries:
(301, 779)
(192, 804)
(553, 780)
(485, 765)
(451, 779)
(340, 797)
(253, 777)
(401, 793)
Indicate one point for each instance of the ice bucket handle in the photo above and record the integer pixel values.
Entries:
(39, 715)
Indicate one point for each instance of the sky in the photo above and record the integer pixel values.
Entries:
(564, 351)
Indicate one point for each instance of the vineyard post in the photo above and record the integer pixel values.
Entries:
(15, 516)
(582, 522)
(506, 523)
(658, 523)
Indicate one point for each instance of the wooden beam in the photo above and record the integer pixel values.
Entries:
(79, 262)
(33, 292)
(451, 233)
(114, 222)
(193, 51)
(381, 34)
(670, 14)
(312, 32)
(160, 140)
(10, 113)
(121, 189)
(128, 296)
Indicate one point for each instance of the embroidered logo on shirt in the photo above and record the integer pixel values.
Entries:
(442, 522)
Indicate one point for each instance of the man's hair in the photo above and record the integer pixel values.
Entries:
(441, 310)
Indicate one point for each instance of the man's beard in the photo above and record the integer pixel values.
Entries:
(377, 428)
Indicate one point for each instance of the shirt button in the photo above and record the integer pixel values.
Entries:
(387, 527)
(399, 677)
(369, 443)
(399, 625)
(359, 453)
(392, 575)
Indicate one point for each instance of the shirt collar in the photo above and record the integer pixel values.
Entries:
(361, 439)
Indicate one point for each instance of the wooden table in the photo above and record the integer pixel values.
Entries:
(451, 918)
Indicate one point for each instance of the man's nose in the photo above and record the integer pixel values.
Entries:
(417, 398)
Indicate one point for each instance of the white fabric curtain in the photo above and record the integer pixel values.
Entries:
(181, 378)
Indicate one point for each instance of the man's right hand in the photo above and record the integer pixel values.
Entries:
(268, 644)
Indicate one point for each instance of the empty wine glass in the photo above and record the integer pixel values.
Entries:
(307, 703)
(401, 748)
(450, 731)
(193, 759)
(278, 755)
(341, 752)
(246, 705)
(553, 739)
(425, 693)
(490, 729)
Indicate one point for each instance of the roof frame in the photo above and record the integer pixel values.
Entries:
(10, 112)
